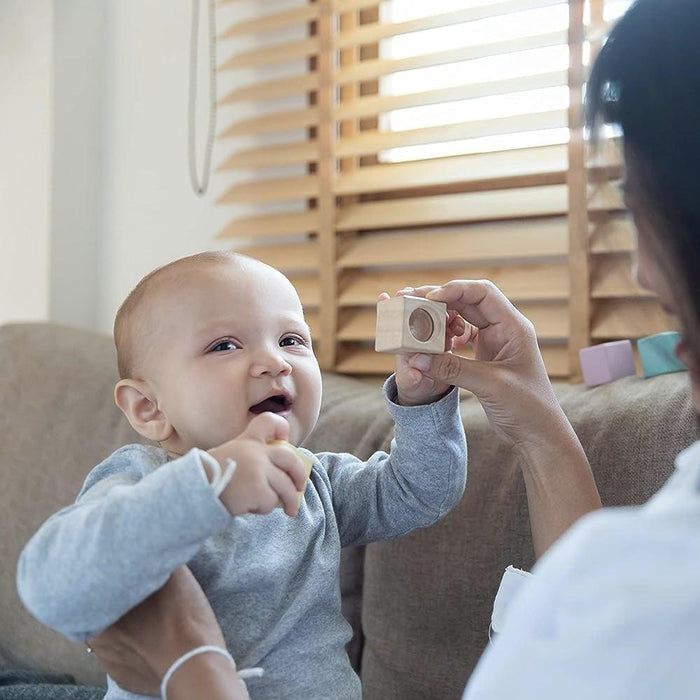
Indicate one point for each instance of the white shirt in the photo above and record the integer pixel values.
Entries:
(613, 611)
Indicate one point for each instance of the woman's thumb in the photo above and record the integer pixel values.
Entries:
(452, 369)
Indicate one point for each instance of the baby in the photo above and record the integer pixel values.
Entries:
(216, 363)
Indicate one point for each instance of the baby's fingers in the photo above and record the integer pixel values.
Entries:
(291, 461)
(286, 491)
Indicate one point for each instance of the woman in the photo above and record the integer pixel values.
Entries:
(614, 608)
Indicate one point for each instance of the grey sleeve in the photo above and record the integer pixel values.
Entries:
(128, 531)
(417, 483)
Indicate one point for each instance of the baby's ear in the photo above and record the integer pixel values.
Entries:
(139, 405)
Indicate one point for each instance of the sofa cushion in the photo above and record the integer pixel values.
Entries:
(428, 597)
(58, 421)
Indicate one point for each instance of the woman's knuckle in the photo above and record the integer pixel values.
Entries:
(451, 367)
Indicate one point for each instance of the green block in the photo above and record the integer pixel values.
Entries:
(656, 353)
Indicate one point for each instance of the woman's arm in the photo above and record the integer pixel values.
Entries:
(138, 649)
(508, 377)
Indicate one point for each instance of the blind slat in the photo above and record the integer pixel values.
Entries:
(611, 276)
(363, 360)
(280, 121)
(309, 289)
(473, 169)
(473, 206)
(606, 197)
(278, 53)
(612, 236)
(371, 70)
(271, 225)
(375, 141)
(269, 156)
(527, 239)
(518, 282)
(375, 105)
(272, 89)
(272, 21)
(286, 256)
(627, 318)
(551, 322)
(271, 190)
(384, 30)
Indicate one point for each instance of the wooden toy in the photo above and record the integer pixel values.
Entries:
(607, 362)
(657, 354)
(410, 324)
(306, 460)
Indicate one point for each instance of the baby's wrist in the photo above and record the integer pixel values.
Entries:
(218, 471)
(405, 400)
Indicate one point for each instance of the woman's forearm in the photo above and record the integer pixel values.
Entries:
(558, 480)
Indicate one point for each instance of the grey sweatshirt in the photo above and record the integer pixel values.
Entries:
(272, 580)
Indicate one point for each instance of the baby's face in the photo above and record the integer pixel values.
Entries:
(230, 342)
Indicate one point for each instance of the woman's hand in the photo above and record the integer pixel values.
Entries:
(137, 650)
(508, 377)
(415, 388)
(507, 373)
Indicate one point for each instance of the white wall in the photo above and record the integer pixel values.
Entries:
(79, 68)
(98, 194)
(26, 45)
(150, 214)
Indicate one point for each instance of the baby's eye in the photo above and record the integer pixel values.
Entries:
(291, 340)
(223, 346)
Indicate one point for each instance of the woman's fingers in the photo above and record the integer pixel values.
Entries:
(448, 368)
(480, 302)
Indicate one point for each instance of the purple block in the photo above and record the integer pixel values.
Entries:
(607, 362)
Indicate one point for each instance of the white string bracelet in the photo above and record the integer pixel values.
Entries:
(247, 673)
(220, 478)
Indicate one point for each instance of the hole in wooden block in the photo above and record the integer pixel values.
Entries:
(421, 325)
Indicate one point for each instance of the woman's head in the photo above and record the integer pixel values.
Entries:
(646, 79)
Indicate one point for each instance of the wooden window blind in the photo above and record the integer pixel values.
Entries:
(618, 307)
(474, 166)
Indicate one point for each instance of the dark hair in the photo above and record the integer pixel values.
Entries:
(646, 79)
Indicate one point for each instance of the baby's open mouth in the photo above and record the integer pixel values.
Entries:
(275, 404)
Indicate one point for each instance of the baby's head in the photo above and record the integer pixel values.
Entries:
(207, 342)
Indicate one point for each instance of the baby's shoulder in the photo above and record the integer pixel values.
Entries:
(135, 454)
(128, 464)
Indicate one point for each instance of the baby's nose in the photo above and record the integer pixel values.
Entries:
(271, 361)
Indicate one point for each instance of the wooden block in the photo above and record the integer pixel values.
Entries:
(607, 362)
(410, 324)
(657, 354)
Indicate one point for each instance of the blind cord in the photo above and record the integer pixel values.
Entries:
(201, 188)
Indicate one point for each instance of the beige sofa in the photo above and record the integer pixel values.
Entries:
(420, 605)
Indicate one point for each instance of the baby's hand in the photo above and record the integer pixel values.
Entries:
(266, 474)
(413, 387)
